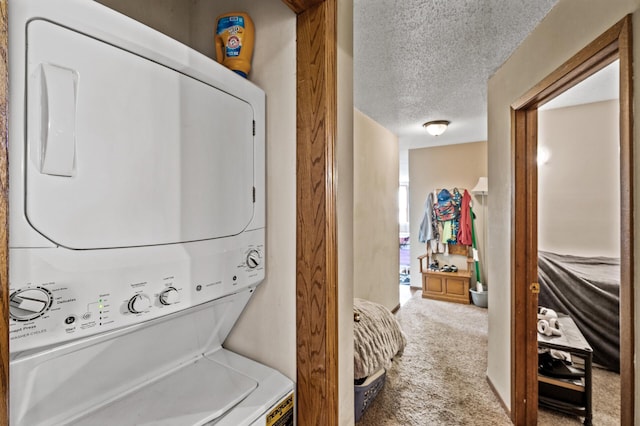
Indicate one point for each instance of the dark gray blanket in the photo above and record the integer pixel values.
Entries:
(588, 290)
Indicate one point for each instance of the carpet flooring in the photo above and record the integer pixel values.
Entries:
(441, 377)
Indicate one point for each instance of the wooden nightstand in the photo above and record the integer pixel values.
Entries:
(447, 286)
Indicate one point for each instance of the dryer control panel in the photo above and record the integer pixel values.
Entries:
(103, 291)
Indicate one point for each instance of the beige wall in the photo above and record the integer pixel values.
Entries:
(444, 167)
(344, 153)
(170, 17)
(375, 229)
(579, 186)
(344, 150)
(570, 26)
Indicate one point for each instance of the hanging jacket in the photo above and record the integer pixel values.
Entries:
(435, 225)
(456, 199)
(426, 228)
(464, 233)
(445, 208)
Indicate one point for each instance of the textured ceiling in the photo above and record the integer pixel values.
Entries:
(422, 60)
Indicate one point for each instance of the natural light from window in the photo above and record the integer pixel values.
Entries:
(403, 205)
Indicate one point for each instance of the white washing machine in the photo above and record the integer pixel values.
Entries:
(137, 226)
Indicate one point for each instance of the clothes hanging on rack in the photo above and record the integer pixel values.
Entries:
(435, 226)
(445, 220)
(446, 232)
(464, 233)
(435, 246)
(445, 207)
(456, 199)
(426, 228)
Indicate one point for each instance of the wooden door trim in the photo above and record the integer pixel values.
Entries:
(627, 240)
(316, 229)
(591, 59)
(4, 216)
(615, 43)
(299, 6)
(524, 220)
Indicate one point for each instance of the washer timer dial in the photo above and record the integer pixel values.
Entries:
(253, 259)
(169, 296)
(29, 303)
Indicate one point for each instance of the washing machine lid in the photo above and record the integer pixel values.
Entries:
(194, 395)
(119, 148)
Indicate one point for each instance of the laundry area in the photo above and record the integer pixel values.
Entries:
(137, 223)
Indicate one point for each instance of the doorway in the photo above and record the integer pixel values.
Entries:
(403, 236)
(613, 44)
(579, 245)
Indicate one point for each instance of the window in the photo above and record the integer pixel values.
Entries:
(403, 205)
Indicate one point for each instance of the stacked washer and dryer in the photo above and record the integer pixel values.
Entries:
(137, 226)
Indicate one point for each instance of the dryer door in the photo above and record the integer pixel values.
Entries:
(122, 151)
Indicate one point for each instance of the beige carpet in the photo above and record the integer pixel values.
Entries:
(441, 378)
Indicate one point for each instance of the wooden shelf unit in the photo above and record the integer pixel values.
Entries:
(446, 286)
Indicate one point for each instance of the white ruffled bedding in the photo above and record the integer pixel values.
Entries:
(377, 337)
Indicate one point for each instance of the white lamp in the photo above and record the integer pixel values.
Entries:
(437, 127)
(482, 187)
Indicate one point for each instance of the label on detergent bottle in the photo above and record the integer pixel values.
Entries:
(233, 26)
(234, 40)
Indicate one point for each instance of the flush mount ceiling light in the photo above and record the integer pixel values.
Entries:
(437, 127)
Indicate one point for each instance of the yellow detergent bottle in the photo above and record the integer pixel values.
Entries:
(234, 41)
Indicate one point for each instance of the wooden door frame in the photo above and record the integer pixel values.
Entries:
(4, 215)
(316, 274)
(615, 43)
(316, 229)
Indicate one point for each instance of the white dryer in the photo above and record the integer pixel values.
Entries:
(137, 226)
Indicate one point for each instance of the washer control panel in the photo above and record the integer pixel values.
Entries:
(51, 305)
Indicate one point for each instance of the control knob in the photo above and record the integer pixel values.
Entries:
(169, 296)
(139, 303)
(253, 258)
(29, 303)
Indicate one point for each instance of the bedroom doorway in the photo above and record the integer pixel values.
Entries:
(579, 246)
(612, 45)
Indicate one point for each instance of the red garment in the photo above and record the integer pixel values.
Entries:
(464, 233)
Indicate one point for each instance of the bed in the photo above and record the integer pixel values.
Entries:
(588, 290)
(377, 338)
